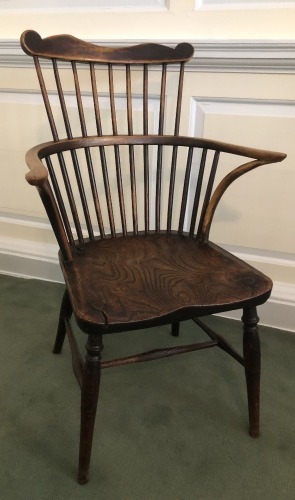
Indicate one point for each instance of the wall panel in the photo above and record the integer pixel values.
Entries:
(77, 4)
(239, 88)
(239, 4)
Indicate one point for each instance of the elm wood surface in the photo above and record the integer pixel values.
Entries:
(68, 48)
(130, 282)
(153, 264)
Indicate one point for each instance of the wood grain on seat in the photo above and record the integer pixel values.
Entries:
(127, 282)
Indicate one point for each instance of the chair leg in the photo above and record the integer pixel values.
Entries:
(65, 313)
(89, 398)
(175, 329)
(252, 367)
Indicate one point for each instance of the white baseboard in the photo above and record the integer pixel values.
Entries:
(29, 259)
(35, 260)
(278, 311)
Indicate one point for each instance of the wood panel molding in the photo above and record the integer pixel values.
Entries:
(217, 56)
(70, 5)
(239, 4)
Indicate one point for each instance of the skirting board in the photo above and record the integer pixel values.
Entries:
(278, 312)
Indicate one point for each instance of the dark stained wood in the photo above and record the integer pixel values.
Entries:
(157, 276)
(123, 270)
(179, 99)
(146, 163)
(46, 98)
(107, 191)
(61, 99)
(251, 349)
(102, 159)
(188, 212)
(145, 95)
(198, 191)
(155, 354)
(208, 191)
(221, 341)
(66, 311)
(53, 213)
(171, 188)
(67, 47)
(185, 192)
(89, 398)
(77, 360)
(175, 327)
(265, 156)
(95, 99)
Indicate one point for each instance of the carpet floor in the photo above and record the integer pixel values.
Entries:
(165, 430)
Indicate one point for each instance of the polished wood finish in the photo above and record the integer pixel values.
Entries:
(132, 215)
(89, 398)
(156, 276)
(251, 348)
(69, 48)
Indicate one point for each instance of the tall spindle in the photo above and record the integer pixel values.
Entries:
(102, 150)
(46, 99)
(146, 150)
(198, 192)
(185, 189)
(208, 191)
(117, 150)
(131, 151)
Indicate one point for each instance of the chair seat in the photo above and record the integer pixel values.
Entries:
(129, 282)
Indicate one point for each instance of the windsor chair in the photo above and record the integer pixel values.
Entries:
(131, 207)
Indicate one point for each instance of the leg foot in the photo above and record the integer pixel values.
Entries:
(89, 398)
(252, 368)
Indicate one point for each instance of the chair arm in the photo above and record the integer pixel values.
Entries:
(38, 177)
(62, 145)
(37, 174)
(272, 157)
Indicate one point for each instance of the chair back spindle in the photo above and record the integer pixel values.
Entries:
(141, 176)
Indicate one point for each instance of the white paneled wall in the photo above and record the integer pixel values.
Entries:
(249, 4)
(35, 5)
(240, 88)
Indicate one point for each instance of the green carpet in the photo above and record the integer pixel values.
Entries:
(168, 429)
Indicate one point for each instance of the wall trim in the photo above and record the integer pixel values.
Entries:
(241, 5)
(278, 312)
(57, 6)
(235, 56)
(204, 105)
(35, 260)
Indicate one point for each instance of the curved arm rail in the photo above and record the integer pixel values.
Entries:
(220, 190)
(52, 147)
(38, 177)
(38, 174)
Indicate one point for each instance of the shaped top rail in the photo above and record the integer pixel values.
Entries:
(70, 48)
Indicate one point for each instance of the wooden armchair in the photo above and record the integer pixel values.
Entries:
(132, 209)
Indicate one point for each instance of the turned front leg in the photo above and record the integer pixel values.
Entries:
(89, 398)
(251, 344)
